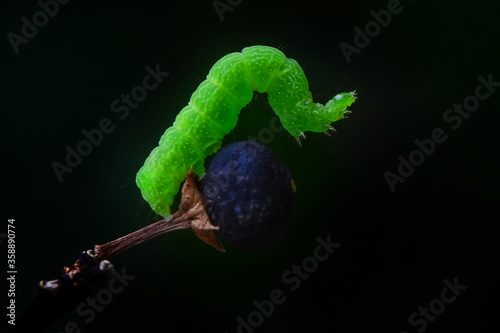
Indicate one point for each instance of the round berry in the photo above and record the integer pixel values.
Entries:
(248, 193)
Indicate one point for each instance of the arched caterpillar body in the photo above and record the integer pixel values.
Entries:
(213, 109)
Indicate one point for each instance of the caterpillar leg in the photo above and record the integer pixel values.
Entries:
(301, 135)
(330, 129)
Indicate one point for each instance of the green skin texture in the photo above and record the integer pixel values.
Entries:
(213, 109)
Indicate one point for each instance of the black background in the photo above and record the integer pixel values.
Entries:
(396, 247)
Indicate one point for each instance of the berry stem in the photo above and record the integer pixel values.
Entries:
(191, 215)
(117, 246)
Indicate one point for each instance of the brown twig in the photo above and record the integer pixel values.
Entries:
(56, 297)
(117, 246)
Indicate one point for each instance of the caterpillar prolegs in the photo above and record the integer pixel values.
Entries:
(213, 109)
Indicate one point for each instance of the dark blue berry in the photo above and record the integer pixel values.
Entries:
(248, 193)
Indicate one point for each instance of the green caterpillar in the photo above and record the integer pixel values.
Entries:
(213, 109)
